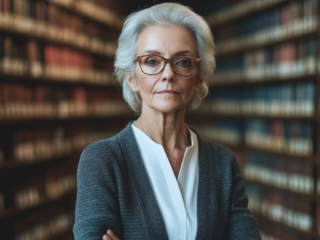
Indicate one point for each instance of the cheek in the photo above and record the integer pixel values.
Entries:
(146, 83)
(188, 85)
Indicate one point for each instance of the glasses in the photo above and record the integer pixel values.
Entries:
(181, 65)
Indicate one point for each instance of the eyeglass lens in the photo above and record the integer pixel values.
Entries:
(182, 65)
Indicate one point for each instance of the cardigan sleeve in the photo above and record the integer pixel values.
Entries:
(97, 206)
(242, 224)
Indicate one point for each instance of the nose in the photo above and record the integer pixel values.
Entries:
(168, 74)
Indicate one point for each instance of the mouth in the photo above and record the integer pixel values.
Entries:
(168, 92)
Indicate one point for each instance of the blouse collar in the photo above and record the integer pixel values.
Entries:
(206, 199)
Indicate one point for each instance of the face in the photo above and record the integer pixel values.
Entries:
(166, 92)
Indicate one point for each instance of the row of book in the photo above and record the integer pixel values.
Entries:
(283, 15)
(294, 19)
(98, 10)
(51, 183)
(296, 138)
(268, 236)
(287, 60)
(292, 138)
(276, 232)
(41, 144)
(64, 109)
(20, 101)
(281, 173)
(29, 58)
(48, 22)
(19, 92)
(279, 207)
(221, 11)
(227, 132)
(47, 230)
(44, 190)
(293, 99)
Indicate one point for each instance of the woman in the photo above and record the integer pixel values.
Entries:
(157, 178)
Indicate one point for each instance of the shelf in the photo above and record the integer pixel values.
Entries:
(25, 120)
(14, 165)
(246, 82)
(54, 81)
(310, 234)
(72, 9)
(47, 38)
(67, 234)
(306, 159)
(251, 47)
(15, 212)
(240, 116)
(244, 10)
(290, 157)
(304, 197)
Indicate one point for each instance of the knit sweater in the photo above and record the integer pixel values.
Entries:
(114, 192)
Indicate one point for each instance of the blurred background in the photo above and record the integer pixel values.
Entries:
(58, 95)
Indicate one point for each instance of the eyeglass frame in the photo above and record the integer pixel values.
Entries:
(167, 60)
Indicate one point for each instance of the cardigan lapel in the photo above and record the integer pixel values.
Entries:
(206, 201)
(140, 181)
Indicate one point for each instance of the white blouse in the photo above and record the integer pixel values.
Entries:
(176, 198)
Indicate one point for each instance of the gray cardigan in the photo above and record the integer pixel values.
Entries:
(114, 192)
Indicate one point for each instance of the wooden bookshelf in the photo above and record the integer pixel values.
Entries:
(43, 80)
(310, 198)
(16, 213)
(12, 165)
(31, 120)
(241, 116)
(243, 82)
(66, 235)
(242, 10)
(59, 42)
(288, 157)
(71, 7)
(31, 190)
(230, 52)
(239, 54)
(310, 234)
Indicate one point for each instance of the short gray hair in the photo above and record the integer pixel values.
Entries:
(164, 14)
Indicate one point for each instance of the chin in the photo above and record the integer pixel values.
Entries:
(169, 108)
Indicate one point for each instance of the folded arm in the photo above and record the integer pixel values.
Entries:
(97, 206)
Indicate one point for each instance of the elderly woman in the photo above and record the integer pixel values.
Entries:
(157, 178)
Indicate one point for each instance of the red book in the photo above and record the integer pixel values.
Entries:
(79, 95)
(6, 6)
(284, 15)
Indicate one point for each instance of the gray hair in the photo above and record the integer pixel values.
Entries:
(164, 14)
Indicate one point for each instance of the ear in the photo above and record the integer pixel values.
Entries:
(199, 83)
(200, 80)
(132, 82)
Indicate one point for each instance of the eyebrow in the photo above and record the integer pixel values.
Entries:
(159, 53)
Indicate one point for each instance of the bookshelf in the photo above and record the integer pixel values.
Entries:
(57, 95)
(263, 105)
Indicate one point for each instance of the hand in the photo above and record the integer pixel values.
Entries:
(109, 236)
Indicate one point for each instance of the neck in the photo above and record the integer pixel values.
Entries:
(167, 129)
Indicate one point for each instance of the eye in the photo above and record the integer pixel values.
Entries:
(152, 62)
(183, 62)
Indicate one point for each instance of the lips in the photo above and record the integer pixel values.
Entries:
(168, 91)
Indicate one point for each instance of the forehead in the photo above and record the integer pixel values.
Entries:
(165, 40)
